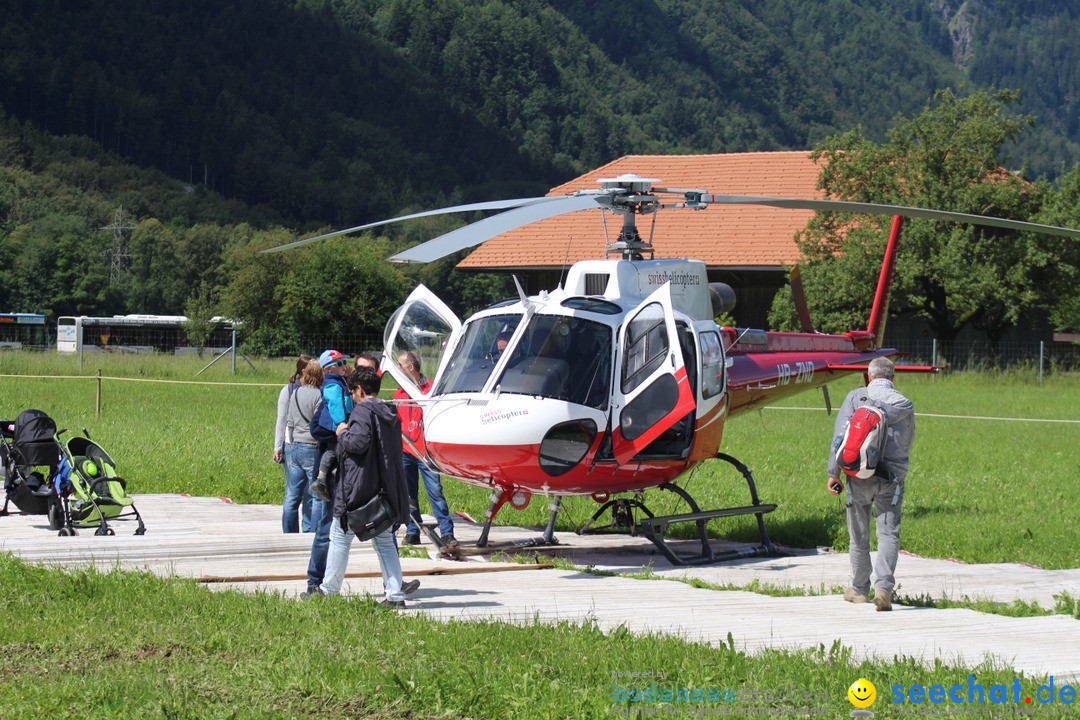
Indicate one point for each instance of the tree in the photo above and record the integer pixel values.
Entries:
(951, 274)
(1057, 266)
(341, 288)
(201, 322)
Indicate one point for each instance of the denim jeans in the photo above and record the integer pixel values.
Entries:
(433, 485)
(337, 560)
(299, 472)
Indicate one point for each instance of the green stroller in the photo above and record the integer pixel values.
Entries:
(98, 494)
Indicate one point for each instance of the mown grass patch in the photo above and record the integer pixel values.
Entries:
(119, 645)
(978, 490)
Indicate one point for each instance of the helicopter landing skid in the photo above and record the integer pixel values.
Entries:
(450, 552)
(654, 527)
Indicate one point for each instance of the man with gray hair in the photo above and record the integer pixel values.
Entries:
(884, 491)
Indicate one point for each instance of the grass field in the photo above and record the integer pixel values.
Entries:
(126, 645)
(121, 645)
(978, 490)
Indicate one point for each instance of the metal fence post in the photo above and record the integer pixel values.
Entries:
(1042, 346)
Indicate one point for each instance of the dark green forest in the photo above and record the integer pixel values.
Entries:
(147, 150)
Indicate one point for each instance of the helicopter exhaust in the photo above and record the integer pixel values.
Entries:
(721, 297)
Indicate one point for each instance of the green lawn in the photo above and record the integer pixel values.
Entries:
(126, 645)
(978, 490)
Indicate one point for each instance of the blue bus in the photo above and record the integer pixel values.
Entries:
(20, 331)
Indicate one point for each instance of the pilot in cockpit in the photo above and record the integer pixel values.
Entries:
(501, 341)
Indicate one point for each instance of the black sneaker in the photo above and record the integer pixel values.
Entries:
(312, 592)
(393, 604)
(450, 541)
(411, 539)
(410, 586)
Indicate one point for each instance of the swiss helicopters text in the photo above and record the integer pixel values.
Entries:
(675, 278)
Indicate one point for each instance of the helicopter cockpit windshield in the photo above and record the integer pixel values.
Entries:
(558, 356)
(476, 354)
(563, 358)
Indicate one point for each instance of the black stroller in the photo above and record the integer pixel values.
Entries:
(39, 477)
(31, 458)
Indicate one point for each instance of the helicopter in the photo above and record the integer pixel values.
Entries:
(619, 380)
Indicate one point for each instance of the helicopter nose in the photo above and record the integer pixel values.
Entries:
(565, 445)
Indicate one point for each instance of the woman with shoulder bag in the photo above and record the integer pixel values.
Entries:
(282, 441)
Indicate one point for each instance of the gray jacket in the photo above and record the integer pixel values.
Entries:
(899, 420)
(302, 406)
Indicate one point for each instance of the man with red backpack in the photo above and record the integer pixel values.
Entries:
(872, 438)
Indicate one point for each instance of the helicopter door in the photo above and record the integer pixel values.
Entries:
(653, 391)
(423, 325)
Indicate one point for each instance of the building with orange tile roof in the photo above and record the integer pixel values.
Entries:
(749, 247)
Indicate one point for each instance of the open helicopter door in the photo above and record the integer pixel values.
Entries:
(652, 391)
(423, 325)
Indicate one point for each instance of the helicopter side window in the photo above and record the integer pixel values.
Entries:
(646, 346)
(563, 358)
(712, 365)
(476, 354)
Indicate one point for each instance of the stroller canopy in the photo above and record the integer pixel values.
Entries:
(35, 438)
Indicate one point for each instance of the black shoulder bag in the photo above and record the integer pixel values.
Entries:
(376, 515)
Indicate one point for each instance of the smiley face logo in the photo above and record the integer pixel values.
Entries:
(862, 693)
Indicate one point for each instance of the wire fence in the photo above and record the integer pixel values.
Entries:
(1045, 356)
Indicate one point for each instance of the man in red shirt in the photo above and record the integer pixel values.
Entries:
(412, 433)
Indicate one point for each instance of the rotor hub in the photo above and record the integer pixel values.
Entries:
(630, 195)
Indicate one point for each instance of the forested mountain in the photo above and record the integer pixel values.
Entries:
(326, 113)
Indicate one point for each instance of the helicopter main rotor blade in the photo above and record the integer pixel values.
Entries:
(878, 209)
(485, 229)
(489, 205)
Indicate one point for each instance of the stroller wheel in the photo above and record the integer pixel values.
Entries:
(104, 531)
(67, 532)
(55, 514)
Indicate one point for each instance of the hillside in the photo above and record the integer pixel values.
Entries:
(216, 125)
(334, 112)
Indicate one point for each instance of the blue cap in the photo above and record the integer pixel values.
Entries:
(331, 357)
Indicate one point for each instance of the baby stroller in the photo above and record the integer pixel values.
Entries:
(32, 462)
(98, 494)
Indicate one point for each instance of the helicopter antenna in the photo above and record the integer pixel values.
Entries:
(566, 261)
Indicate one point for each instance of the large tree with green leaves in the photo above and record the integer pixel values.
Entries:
(287, 301)
(1058, 267)
(951, 274)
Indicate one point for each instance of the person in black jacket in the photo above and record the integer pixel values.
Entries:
(369, 460)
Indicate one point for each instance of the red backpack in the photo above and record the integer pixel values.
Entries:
(863, 442)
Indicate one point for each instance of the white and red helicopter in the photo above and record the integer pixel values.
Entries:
(619, 380)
